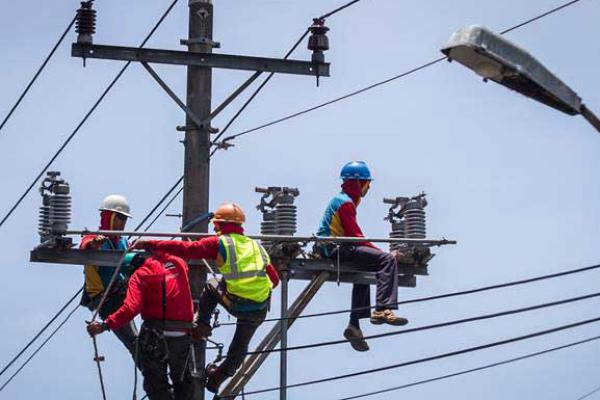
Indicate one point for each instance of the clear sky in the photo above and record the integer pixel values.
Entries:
(512, 180)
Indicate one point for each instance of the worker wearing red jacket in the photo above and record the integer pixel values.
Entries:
(159, 290)
(340, 220)
(244, 290)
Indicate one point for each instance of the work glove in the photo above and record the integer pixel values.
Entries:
(97, 242)
(96, 328)
(140, 244)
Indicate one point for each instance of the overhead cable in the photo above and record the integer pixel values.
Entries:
(588, 394)
(436, 326)
(268, 78)
(430, 358)
(469, 371)
(445, 295)
(37, 335)
(39, 348)
(386, 81)
(86, 117)
(38, 72)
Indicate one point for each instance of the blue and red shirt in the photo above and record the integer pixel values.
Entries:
(340, 215)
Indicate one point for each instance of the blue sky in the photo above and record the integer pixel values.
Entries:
(513, 181)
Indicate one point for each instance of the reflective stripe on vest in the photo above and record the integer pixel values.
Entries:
(233, 264)
(244, 268)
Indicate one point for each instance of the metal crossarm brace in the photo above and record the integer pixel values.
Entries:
(225, 61)
(199, 123)
(254, 361)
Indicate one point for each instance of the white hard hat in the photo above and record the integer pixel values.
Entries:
(116, 203)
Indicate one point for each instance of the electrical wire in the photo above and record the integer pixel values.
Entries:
(37, 335)
(445, 295)
(87, 116)
(585, 396)
(37, 73)
(39, 348)
(164, 209)
(162, 200)
(469, 371)
(436, 326)
(426, 359)
(268, 78)
(386, 81)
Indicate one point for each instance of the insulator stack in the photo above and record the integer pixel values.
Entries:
(85, 25)
(397, 233)
(407, 217)
(318, 42)
(55, 212)
(278, 210)
(414, 220)
(268, 226)
(285, 219)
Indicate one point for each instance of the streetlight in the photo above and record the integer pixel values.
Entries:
(493, 57)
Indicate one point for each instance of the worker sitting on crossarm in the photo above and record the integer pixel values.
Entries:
(244, 290)
(159, 290)
(114, 212)
(340, 220)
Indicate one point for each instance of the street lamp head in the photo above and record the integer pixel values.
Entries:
(493, 57)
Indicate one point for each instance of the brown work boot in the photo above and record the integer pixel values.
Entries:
(355, 336)
(387, 317)
(215, 377)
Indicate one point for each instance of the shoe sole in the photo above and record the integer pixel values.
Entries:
(382, 321)
(355, 343)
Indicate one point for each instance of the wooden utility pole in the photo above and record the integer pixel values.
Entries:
(197, 141)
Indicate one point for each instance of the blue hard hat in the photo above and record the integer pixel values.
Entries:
(356, 170)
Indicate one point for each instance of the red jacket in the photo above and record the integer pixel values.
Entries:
(145, 292)
(208, 248)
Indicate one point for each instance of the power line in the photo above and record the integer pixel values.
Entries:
(386, 81)
(20, 353)
(469, 371)
(164, 209)
(39, 348)
(585, 396)
(162, 200)
(268, 78)
(38, 72)
(438, 325)
(430, 358)
(445, 295)
(86, 117)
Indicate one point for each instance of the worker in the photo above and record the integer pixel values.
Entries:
(114, 212)
(159, 290)
(340, 220)
(244, 290)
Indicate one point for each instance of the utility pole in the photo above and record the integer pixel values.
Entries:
(197, 142)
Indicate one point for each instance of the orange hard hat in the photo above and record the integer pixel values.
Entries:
(230, 212)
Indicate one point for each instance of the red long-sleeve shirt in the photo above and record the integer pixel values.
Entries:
(145, 292)
(208, 248)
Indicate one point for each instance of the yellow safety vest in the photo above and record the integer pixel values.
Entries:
(244, 268)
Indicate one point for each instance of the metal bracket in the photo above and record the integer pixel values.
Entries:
(204, 41)
(211, 60)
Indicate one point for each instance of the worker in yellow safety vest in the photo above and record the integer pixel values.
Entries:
(244, 289)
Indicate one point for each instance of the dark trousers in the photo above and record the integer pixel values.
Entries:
(246, 325)
(156, 382)
(386, 273)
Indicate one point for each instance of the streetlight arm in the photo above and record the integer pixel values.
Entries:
(590, 117)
